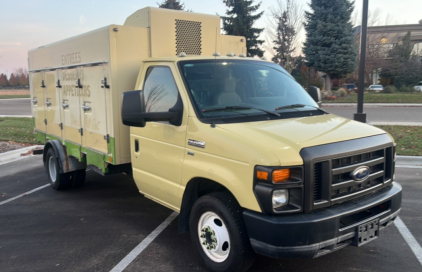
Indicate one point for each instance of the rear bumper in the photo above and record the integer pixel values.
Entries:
(310, 235)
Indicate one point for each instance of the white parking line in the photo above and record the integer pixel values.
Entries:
(410, 239)
(24, 194)
(139, 248)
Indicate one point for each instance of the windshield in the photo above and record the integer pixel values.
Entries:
(227, 88)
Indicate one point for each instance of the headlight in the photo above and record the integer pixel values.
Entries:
(280, 198)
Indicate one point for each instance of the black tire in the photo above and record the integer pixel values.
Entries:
(78, 178)
(240, 256)
(58, 181)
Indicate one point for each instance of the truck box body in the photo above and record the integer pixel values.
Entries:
(77, 83)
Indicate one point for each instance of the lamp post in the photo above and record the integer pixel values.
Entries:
(360, 115)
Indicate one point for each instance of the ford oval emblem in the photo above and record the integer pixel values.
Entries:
(361, 173)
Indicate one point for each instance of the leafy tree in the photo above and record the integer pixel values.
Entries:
(171, 4)
(239, 21)
(330, 45)
(13, 80)
(23, 80)
(3, 81)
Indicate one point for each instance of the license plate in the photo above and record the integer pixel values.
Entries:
(367, 232)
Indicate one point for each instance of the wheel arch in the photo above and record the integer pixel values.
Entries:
(66, 163)
(196, 188)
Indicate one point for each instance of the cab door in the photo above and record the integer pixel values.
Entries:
(38, 101)
(158, 149)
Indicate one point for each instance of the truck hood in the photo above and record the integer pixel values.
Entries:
(288, 136)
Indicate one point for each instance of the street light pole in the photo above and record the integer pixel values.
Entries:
(360, 115)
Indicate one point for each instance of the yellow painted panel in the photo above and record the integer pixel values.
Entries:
(53, 104)
(71, 112)
(93, 108)
(37, 93)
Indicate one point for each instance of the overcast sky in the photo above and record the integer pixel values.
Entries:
(27, 24)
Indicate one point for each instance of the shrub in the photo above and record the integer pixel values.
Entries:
(390, 89)
(331, 97)
(341, 92)
(406, 89)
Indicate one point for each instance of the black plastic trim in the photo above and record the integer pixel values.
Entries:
(306, 234)
(325, 153)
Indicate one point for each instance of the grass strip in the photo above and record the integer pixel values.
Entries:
(380, 98)
(14, 96)
(19, 130)
(408, 139)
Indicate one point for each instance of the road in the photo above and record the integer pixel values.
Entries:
(381, 114)
(93, 228)
(18, 107)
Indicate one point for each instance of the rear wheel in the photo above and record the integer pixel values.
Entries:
(58, 181)
(218, 233)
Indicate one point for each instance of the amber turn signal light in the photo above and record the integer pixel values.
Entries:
(262, 175)
(281, 175)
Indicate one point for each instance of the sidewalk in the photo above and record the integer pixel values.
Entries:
(411, 124)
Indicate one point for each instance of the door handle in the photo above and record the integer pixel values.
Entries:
(65, 105)
(48, 103)
(34, 101)
(86, 108)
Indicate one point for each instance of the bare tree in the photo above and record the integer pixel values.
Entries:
(290, 14)
(154, 95)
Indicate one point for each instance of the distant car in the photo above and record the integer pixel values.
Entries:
(376, 88)
(350, 87)
(418, 87)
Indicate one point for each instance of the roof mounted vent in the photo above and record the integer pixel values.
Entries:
(188, 37)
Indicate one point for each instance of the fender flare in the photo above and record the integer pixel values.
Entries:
(66, 163)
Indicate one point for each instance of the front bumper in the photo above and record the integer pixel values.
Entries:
(311, 235)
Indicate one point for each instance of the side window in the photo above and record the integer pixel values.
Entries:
(160, 91)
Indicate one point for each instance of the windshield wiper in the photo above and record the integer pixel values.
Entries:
(240, 108)
(293, 106)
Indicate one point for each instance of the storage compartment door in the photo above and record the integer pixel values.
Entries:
(38, 100)
(52, 104)
(70, 107)
(93, 108)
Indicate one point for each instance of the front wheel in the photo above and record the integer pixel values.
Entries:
(218, 233)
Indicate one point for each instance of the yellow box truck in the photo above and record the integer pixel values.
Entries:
(234, 144)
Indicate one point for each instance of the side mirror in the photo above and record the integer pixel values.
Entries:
(134, 114)
(315, 93)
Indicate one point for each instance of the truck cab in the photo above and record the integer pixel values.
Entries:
(237, 144)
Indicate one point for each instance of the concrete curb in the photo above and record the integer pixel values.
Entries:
(14, 98)
(409, 160)
(372, 105)
(15, 155)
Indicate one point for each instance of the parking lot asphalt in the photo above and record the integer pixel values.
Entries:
(93, 228)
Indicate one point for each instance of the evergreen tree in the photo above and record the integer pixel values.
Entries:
(330, 45)
(239, 21)
(13, 80)
(171, 4)
(3, 81)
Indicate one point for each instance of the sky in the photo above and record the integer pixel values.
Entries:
(28, 24)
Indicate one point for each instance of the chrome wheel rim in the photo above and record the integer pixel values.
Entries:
(214, 237)
(52, 169)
